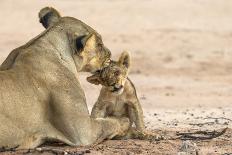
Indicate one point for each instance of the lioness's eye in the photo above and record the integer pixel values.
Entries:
(98, 71)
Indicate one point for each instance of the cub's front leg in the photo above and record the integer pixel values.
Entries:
(136, 114)
(104, 100)
(99, 109)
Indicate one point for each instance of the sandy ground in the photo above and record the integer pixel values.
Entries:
(182, 63)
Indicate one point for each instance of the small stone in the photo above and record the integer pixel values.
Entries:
(38, 149)
(226, 123)
(65, 153)
(188, 147)
(167, 94)
(143, 97)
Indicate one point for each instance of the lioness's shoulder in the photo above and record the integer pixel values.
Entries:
(9, 61)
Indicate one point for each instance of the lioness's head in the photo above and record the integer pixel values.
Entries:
(113, 76)
(83, 42)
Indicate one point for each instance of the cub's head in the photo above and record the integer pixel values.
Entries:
(113, 76)
(79, 39)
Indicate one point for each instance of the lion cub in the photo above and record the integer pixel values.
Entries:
(118, 96)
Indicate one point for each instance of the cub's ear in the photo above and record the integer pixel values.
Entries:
(86, 43)
(94, 79)
(48, 16)
(124, 59)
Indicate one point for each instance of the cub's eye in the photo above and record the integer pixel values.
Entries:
(112, 84)
(99, 45)
(117, 73)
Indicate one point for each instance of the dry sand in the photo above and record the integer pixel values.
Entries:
(182, 62)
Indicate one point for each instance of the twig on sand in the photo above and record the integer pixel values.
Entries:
(52, 150)
(217, 118)
(214, 120)
(200, 135)
(61, 151)
(5, 149)
(201, 124)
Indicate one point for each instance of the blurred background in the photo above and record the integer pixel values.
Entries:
(181, 50)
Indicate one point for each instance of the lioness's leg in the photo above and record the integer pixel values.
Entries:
(111, 127)
(32, 141)
(10, 135)
(69, 115)
(37, 139)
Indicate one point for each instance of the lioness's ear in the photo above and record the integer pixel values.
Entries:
(48, 16)
(94, 79)
(125, 59)
(86, 43)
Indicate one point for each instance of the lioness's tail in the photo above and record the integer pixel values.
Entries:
(48, 16)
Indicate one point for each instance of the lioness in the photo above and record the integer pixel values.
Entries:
(40, 94)
(118, 96)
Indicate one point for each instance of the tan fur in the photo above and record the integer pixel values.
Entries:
(40, 95)
(118, 96)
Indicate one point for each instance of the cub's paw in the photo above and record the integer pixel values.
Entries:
(147, 135)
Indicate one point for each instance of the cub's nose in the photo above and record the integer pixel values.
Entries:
(117, 87)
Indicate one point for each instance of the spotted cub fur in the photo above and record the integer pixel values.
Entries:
(118, 96)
